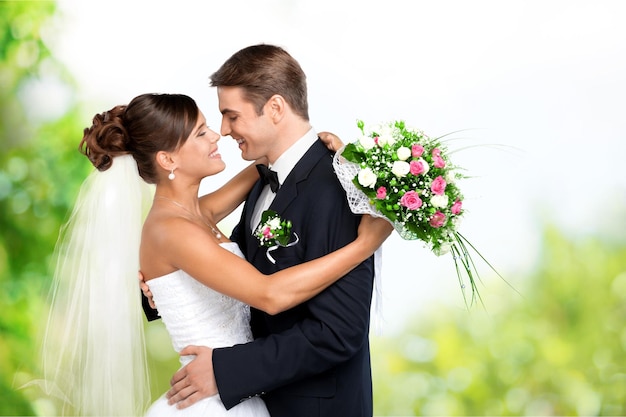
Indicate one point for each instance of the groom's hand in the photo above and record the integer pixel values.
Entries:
(146, 290)
(195, 381)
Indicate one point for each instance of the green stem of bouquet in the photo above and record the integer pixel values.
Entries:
(460, 252)
(461, 255)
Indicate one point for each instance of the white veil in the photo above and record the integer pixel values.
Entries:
(94, 348)
(359, 204)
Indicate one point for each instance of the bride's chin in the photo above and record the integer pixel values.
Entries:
(217, 169)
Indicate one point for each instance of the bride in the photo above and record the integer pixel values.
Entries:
(94, 353)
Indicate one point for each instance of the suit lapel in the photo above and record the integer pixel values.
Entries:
(300, 172)
(286, 194)
(251, 241)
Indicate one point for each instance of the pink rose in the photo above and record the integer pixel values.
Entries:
(417, 167)
(438, 219)
(438, 186)
(436, 152)
(376, 140)
(438, 161)
(411, 200)
(267, 232)
(417, 150)
(456, 207)
(381, 193)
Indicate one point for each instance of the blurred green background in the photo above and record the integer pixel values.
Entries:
(556, 348)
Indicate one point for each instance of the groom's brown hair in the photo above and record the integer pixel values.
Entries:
(263, 71)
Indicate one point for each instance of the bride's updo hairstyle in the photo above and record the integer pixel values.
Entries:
(148, 124)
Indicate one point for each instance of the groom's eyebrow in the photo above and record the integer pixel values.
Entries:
(224, 111)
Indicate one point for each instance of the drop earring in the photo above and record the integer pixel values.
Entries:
(171, 176)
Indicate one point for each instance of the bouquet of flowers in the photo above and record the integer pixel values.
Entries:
(274, 232)
(399, 173)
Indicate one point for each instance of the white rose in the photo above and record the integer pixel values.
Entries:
(439, 201)
(366, 142)
(400, 168)
(404, 153)
(386, 136)
(367, 178)
(444, 248)
(274, 223)
(450, 177)
(376, 127)
(413, 129)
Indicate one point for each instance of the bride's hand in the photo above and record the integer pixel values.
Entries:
(373, 231)
(331, 140)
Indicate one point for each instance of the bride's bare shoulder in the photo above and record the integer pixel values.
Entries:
(165, 238)
(161, 227)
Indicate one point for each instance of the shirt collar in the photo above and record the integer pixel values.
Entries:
(285, 163)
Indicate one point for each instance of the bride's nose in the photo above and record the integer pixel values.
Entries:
(215, 137)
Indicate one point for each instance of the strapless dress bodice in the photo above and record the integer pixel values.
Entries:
(197, 315)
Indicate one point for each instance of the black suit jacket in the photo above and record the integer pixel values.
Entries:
(313, 359)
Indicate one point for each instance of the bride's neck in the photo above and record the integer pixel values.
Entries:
(187, 197)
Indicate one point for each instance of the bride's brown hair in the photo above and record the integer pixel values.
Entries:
(148, 124)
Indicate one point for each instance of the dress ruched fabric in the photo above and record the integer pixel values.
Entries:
(194, 314)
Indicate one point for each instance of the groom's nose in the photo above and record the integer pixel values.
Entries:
(225, 127)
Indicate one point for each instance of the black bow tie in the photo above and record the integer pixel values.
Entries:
(268, 177)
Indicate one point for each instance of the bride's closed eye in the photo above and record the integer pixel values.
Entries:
(204, 131)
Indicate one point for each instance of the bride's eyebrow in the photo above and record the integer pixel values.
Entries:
(200, 126)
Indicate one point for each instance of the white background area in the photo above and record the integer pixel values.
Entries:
(540, 85)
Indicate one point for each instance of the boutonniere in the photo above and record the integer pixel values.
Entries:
(274, 232)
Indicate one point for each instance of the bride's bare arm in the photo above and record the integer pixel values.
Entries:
(201, 257)
(221, 202)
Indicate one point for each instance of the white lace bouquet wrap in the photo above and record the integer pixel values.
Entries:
(359, 204)
(346, 172)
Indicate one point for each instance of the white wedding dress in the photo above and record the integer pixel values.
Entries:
(196, 315)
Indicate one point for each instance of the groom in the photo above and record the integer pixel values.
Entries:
(313, 360)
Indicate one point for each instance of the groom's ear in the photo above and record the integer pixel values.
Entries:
(275, 107)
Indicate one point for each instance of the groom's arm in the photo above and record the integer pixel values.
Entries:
(310, 348)
(151, 313)
(147, 303)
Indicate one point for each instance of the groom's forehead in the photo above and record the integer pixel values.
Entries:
(231, 93)
(232, 99)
